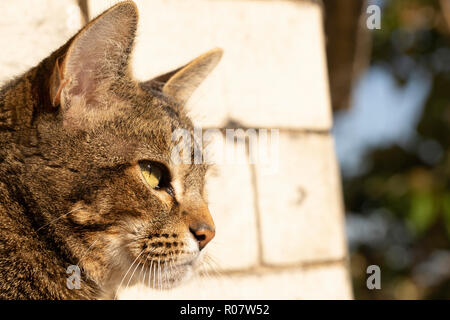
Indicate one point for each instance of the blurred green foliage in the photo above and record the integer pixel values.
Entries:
(411, 187)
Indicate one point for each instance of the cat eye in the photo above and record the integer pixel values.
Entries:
(155, 174)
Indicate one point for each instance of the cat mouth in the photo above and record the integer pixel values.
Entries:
(169, 277)
(188, 262)
(158, 269)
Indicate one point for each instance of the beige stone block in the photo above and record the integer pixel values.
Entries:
(30, 30)
(300, 203)
(324, 282)
(231, 202)
(273, 72)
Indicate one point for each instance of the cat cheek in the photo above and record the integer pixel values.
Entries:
(83, 216)
(165, 198)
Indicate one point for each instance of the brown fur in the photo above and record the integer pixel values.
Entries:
(72, 131)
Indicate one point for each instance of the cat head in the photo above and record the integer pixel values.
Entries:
(124, 209)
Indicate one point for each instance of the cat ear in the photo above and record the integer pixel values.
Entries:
(96, 57)
(182, 82)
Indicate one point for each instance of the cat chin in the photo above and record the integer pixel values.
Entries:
(170, 279)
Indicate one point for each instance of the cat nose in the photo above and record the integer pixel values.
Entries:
(203, 234)
(200, 222)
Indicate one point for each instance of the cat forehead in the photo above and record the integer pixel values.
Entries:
(145, 122)
(147, 113)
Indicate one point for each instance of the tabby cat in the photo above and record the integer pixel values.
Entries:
(86, 176)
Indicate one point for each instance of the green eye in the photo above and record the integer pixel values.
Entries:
(152, 174)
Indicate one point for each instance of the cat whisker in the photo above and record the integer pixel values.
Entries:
(88, 249)
(211, 259)
(219, 243)
(159, 274)
(132, 274)
(145, 261)
(161, 277)
(206, 271)
(213, 265)
(177, 271)
(62, 216)
(173, 268)
(143, 266)
(120, 285)
(154, 277)
(150, 272)
(207, 275)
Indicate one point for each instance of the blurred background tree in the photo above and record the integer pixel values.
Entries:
(408, 188)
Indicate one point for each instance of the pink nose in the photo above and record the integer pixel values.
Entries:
(203, 234)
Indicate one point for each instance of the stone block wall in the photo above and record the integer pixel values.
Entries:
(280, 234)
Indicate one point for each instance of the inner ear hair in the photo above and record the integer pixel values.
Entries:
(57, 82)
